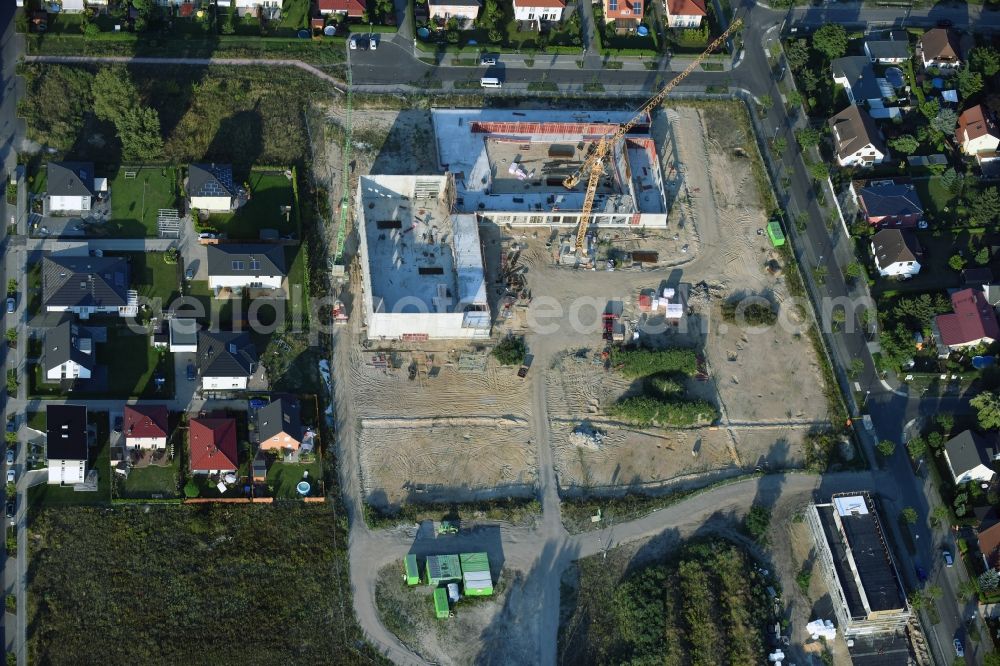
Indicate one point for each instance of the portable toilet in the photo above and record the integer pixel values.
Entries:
(441, 603)
(412, 571)
(775, 234)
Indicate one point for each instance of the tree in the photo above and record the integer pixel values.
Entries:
(139, 133)
(831, 40)
(945, 122)
(909, 515)
(917, 447)
(989, 581)
(91, 30)
(12, 337)
(797, 54)
(819, 171)
(982, 256)
(969, 82)
(987, 406)
(946, 422)
(113, 92)
(886, 447)
(757, 522)
(985, 60)
(779, 145)
(985, 207)
(854, 271)
(510, 351)
(951, 181)
(957, 262)
(808, 137)
(966, 589)
(190, 489)
(905, 143)
(930, 109)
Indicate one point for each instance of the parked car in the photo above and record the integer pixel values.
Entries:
(190, 372)
(207, 235)
(118, 424)
(959, 650)
(921, 574)
(10, 456)
(372, 42)
(189, 273)
(11, 425)
(488, 61)
(948, 559)
(11, 507)
(354, 43)
(11, 476)
(11, 304)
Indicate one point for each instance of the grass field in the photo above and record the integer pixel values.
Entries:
(283, 477)
(100, 460)
(268, 194)
(134, 379)
(156, 583)
(153, 481)
(152, 277)
(135, 202)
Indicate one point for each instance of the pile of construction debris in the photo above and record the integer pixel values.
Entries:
(586, 437)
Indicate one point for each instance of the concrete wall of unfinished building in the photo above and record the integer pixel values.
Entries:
(435, 325)
(572, 219)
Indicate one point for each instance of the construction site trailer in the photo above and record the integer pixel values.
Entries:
(443, 569)
(441, 603)
(476, 578)
(412, 571)
(775, 233)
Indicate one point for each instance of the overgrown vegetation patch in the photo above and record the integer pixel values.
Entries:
(663, 401)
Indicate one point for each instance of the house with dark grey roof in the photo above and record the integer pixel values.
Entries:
(226, 360)
(245, 266)
(70, 187)
(857, 76)
(888, 202)
(970, 456)
(892, 49)
(183, 334)
(279, 425)
(857, 139)
(897, 253)
(66, 443)
(88, 285)
(210, 187)
(68, 353)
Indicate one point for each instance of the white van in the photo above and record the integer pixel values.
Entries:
(489, 82)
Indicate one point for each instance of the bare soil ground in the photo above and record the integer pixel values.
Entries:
(409, 613)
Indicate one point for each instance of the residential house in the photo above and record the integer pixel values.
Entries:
(269, 9)
(988, 534)
(212, 445)
(539, 10)
(887, 202)
(977, 277)
(857, 76)
(939, 47)
(279, 425)
(245, 266)
(627, 14)
(70, 187)
(972, 322)
(66, 443)
(857, 139)
(350, 8)
(897, 253)
(893, 49)
(226, 361)
(88, 285)
(68, 353)
(992, 294)
(977, 133)
(463, 10)
(145, 426)
(210, 187)
(685, 13)
(71, 6)
(183, 334)
(970, 456)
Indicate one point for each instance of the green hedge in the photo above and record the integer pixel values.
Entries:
(648, 411)
(638, 362)
(516, 510)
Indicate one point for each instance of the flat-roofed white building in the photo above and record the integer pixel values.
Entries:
(422, 266)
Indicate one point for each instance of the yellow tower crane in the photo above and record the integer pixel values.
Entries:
(593, 165)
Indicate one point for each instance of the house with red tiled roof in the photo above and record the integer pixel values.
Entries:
(539, 10)
(627, 14)
(973, 322)
(145, 426)
(212, 444)
(977, 131)
(988, 533)
(685, 13)
(348, 8)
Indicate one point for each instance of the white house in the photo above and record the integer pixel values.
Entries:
(245, 266)
(971, 456)
(466, 10)
(145, 426)
(897, 253)
(539, 10)
(977, 131)
(270, 8)
(88, 285)
(226, 360)
(685, 13)
(72, 6)
(66, 443)
(210, 187)
(857, 139)
(70, 187)
(68, 353)
(940, 48)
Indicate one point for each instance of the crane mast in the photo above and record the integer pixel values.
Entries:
(593, 165)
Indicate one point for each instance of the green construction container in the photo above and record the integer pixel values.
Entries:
(443, 569)
(775, 233)
(474, 562)
(441, 603)
(412, 570)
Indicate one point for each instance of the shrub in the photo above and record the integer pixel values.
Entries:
(648, 411)
(190, 489)
(510, 351)
(666, 384)
(886, 447)
(756, 312)
(757, 522)
(638, 362)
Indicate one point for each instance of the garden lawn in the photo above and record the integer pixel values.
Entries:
(38, 182)
(936, 198)
(135, 202)
(294, 14)
(134, 379)
(283, 477)
(45, 495)
(268, 194)
(153, 480)
(153, 277)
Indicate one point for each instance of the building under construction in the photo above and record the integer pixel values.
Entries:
(868, 596)
(509, 166)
